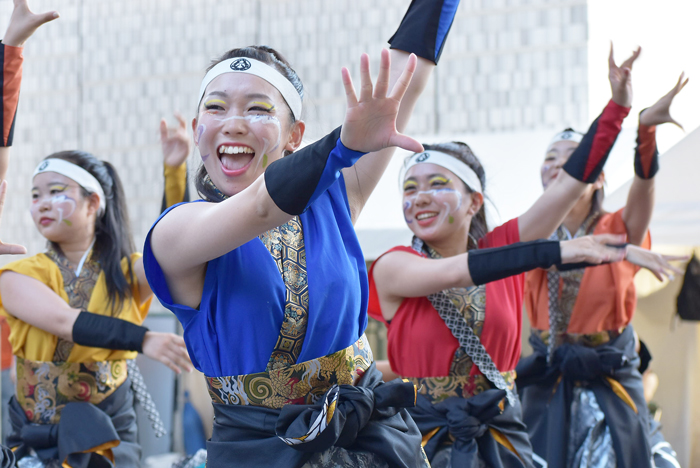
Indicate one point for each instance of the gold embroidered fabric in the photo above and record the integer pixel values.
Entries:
(44, 388)
(286, 245)
(79, 290)
(437, 389)
(302, 383)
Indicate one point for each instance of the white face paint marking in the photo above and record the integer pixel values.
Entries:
(65, 207)
(440, 196)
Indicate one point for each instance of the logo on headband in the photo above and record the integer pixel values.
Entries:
(422, 157)
(566, 135)
(43, 166)
(240, 64)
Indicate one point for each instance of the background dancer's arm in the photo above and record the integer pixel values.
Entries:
(23, 23)
(640, 200)
(176, 147)
(586, 162)
(399, 275)
(33, 302)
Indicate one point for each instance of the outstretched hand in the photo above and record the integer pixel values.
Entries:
(8, 249)
(168, 349)
(660, 112)
(621, 78)
(24, 22)
(594, 249)
(370, 122)
(658, 264)
(174, 141)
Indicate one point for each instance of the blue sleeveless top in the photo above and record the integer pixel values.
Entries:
(239, 319)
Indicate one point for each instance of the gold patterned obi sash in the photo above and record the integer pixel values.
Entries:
(44, 388)
(437, 389)
(302, 383)
(589, 340)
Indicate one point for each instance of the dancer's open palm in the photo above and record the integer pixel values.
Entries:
(370, 121)
(621, 78)
(8, 249)
(24, 22)
(660, 112)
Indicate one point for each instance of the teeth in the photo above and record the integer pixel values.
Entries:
(235, 150)
(426, 216)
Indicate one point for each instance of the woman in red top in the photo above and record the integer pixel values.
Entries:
(453, 301)
(583, 400)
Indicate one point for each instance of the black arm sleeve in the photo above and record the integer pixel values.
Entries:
(295, 181)
(424, 28)
(102, 331)
(487, 265)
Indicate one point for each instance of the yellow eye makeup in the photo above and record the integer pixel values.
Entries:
(409, 185)
(214, 101)
(57, 187)
(440, 179)
(264, 104)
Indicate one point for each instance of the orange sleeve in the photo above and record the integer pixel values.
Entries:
(11, 80)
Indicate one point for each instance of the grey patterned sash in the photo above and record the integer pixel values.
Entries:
(466, 336)
(143, 397)
(560, 310)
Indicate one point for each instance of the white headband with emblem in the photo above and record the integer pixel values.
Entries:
(450, 163)
(76, 173)
(259, 69)
(567, 135)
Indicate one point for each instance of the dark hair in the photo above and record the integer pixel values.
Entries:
(113, 240)
(263, 54)
(461, 151)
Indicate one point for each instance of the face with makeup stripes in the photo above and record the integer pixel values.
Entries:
(242, 126)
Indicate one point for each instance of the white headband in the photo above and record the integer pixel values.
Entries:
(259, 69)
(76, 173)
(450, 163)
(567, 135)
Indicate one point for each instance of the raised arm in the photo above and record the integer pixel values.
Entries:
(176, 146)
(399, 275)
(640, 200)
(8, 249)
(585, 164)
(22, 25)
(423, 31)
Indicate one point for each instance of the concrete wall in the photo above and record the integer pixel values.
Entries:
(102, 76)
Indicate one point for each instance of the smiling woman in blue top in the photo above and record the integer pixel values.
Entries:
(269, 280)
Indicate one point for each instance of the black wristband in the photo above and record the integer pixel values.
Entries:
(424, 28)
(295, 181)
(646, 154)
(487, 265)
(102, 331)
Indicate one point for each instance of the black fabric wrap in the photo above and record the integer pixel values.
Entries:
(487, 265)
(468, 421)
(547, 393)
(82, 427)
(7, 457)
(368, 417)
(102, 331)
(291, 181)
(578, 162)
(418, 31)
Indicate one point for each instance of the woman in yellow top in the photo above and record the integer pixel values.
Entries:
(75, 312)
